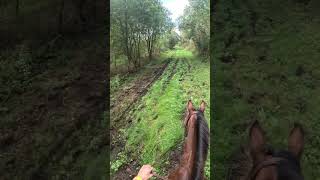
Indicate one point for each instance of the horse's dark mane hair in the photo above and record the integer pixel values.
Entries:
(202, 135)
(292, 163)
(241, 164)
(290, 157)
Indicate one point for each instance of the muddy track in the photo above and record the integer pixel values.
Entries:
(129, 170)
(124, 100)
(122, 103)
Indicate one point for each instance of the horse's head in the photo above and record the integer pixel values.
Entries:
(195, 146)
(191, 112)
(279, 165)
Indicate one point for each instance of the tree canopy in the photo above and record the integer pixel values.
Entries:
(136, 26)
(195, 24)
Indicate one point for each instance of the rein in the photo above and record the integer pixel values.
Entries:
(159, 177)
(269, 162)
(153, 173)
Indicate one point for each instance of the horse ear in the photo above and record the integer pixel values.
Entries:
(190, 106)
(202, 106)
(257, 142)
(296, 140)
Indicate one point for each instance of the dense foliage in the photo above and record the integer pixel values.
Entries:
(195, 25)
(40, 20)
(174, 38)
(136, 27)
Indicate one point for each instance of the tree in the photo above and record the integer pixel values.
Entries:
(60, 21)
(195, 24)
(137, 25)
(157, 22)
(173, 39)
(17, 7)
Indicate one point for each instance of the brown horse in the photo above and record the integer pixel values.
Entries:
(196, 143)
(265, 163)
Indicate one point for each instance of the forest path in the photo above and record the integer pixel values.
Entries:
(125, 96)
(150, 130)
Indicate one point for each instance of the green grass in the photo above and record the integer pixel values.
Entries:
(157, 127)
(179, 52)
(268, 89)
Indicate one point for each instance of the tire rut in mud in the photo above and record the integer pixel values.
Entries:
(127, 98)
(127, 171)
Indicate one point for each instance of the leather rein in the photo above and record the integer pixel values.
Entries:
(269, 162)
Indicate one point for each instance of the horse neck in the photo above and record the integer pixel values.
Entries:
(190, 146)
(191, 139)
(199, 145)
(189, 167)
(184, 170)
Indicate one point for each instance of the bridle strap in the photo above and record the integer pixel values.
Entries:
(269, 162)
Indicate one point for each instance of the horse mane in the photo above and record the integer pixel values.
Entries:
(202, 135)
(241, 163)
(292, 163)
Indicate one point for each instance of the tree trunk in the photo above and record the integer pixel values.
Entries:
(60, 21)
(152, 41)
(17, 7)
(149, 46)
(95, 11)
(150, 55)
(83, 17)
(138, 51)
(115, 62)
(126, 41)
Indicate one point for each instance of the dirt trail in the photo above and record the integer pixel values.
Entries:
(130, 170)
(131, 94)
(126, 97)
(121, 104)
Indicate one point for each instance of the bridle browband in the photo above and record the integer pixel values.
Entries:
(266, 163)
